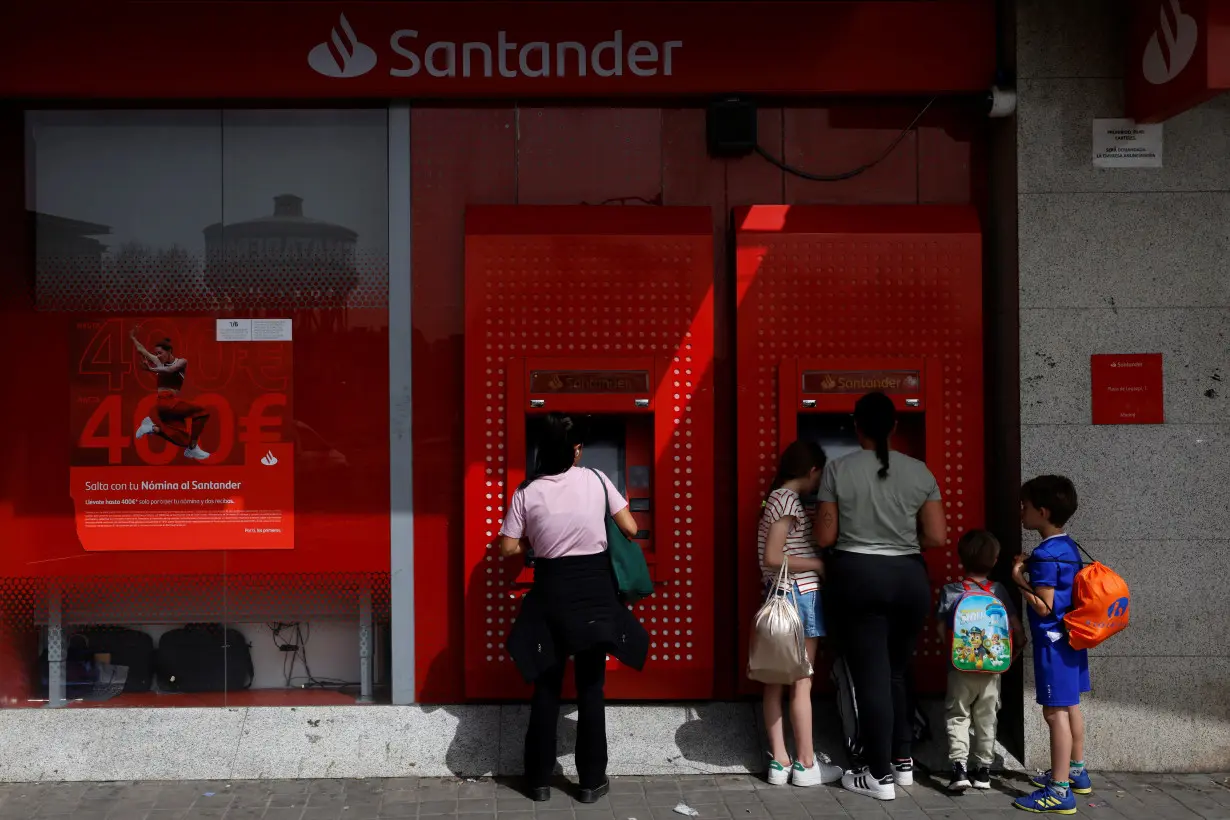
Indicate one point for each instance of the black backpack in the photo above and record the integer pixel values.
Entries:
(847, 710)
(204, 658)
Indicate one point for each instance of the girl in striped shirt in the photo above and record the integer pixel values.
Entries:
(786, 530)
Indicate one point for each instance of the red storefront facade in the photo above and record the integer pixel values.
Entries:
(567, 116)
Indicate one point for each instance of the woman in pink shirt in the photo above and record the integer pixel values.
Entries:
(573, 610)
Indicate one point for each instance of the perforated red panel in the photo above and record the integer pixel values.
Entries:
(590, 284)
(836, 282)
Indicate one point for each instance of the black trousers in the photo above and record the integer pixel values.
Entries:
(879, 604)
(591, 751)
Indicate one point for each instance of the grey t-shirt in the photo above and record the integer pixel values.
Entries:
(951, 593)
(878, 516)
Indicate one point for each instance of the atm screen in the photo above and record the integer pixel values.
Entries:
(604, 439)
(834, 432)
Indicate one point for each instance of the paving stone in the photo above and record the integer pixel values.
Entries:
(737, 797)
(284, 813)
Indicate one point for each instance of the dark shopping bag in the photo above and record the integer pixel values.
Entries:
(129, 648)
(627, 558)
(80, 671)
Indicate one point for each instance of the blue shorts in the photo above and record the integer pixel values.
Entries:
(1061, 673)
(810, 611)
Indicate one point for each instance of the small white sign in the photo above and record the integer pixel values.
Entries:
(271, 330)
(254, 330)
(234, 330)
(1122, 143)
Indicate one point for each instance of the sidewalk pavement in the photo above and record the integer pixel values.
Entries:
(734, 797)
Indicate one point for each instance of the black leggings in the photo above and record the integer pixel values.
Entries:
(878, 605)
(591, 753)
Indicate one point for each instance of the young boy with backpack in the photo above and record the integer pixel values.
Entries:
(1061, 672)
(985, 630)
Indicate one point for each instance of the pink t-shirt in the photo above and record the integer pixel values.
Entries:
(563, 514)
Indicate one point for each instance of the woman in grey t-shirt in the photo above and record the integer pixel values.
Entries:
(879, 509)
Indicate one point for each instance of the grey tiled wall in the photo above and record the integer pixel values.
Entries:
(1130, 261)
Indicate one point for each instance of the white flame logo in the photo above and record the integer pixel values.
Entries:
(270, 459)
(1161, 65)
(342, 56)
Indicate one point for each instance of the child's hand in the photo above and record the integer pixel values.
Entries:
(1018, 567)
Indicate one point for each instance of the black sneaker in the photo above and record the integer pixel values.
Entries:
(960, 780)
(595, 794)
(982, 777)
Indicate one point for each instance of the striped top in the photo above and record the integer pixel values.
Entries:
(799, 542)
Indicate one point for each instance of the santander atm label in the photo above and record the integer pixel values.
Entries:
(343, 55)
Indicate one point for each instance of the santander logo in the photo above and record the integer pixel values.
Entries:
(342, 55)
(1172, 45)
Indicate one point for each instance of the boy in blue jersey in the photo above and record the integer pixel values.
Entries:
(1061, 673)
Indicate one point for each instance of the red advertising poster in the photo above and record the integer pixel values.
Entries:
(1127, 388)
(182, 434)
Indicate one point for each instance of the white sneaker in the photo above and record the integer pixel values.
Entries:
(820, 773)
(861, 782)
(903, 772)
(777, 775)
(146, 427)
(196, 453)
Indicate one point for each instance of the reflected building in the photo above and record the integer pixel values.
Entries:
(284, 261)
(68, 261)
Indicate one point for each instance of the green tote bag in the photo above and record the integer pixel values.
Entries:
(627, 559)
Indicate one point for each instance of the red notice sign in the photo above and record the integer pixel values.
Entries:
(1127, 388)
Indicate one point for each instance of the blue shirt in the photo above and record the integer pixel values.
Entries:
(1053, 563)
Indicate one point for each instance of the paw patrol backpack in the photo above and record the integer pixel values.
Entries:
(981, 631)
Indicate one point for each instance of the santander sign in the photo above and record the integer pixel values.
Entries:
(343, 55)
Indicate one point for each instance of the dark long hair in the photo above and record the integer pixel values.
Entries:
(875, 417)
(800, 458)
(556, 445)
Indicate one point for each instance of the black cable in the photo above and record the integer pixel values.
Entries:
(299, 654)
(799, 172)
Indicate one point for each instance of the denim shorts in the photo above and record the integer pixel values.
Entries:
(811, 613)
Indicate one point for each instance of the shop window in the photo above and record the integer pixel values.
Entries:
(205, 469)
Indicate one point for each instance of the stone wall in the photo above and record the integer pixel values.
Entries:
(1130, 261)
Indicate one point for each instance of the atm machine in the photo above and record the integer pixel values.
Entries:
(604, 313)
(838, 301)
(616, 409)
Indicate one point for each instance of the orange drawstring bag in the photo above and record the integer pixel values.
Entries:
(1101, 605)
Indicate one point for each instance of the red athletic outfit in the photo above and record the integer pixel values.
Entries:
(174, 414)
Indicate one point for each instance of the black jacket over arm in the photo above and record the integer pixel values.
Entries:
(573, 607)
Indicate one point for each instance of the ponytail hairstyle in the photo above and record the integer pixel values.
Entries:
(556, 446)
(800, 458)
(876, 418)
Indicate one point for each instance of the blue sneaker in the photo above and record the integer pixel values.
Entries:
(1046, 801)
(1081, 784)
